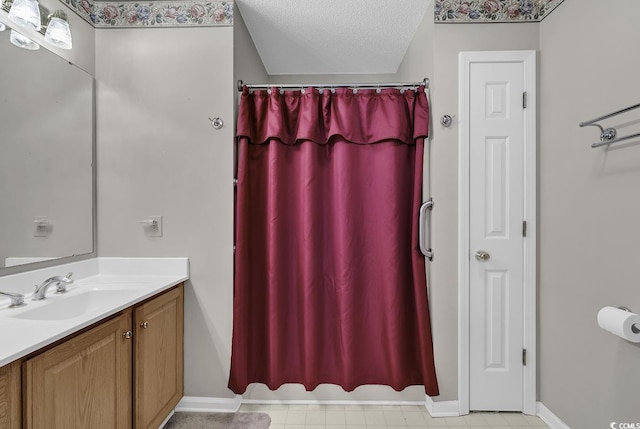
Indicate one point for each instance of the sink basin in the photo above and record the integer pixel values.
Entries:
(61, 307)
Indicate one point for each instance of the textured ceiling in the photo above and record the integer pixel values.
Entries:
(332, 36)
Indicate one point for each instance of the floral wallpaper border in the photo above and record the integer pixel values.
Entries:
(153, 14)
(470, 11)
(163, 13)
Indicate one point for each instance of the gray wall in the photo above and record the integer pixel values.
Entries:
(589, 210)
(587, 215)
(247, 65)
(159, 155)
(449, 41)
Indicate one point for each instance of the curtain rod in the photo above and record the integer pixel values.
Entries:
(264, 86)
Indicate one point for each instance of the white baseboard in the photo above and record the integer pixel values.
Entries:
(442, 408)
(195, 404)
(549, 418)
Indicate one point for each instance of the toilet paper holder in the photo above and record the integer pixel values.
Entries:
(635, 328)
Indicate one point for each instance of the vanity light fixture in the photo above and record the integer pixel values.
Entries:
(58, 32)
(23, 42)
(2, 26)
(26, 13)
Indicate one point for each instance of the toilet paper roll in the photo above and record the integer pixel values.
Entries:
(620, 322)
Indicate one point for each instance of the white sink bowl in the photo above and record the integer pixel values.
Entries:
(72, 304)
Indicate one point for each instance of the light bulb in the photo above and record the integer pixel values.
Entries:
(22, 42)
(58, 33)
(26, 13)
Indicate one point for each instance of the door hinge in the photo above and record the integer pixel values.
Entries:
(524, 100)
(524, 228)
(524, 357)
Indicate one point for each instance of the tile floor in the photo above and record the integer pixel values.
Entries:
(384, 417)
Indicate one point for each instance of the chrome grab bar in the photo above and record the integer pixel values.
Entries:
(427, 252)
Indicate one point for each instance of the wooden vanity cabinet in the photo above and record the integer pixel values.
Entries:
(84, 382)
(158, 349)
(125, 372)
(10, 396)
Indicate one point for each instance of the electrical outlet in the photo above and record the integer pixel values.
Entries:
(155, 226)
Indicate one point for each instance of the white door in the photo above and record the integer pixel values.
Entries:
(496, 215)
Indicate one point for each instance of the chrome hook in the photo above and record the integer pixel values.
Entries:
(216, 123)
(447, 120)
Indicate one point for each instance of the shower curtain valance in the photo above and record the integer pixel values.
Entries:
(320, 116)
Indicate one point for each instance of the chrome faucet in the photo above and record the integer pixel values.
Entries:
(17, 299)
(60, 282)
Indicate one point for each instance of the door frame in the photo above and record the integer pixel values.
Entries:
(465, 60)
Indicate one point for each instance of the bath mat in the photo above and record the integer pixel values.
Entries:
(218, 421)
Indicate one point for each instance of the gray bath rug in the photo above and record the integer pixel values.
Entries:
(218, 421)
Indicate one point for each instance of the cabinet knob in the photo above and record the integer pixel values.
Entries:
(145, 325)
(127, 335)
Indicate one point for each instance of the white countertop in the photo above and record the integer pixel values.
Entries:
(127, 280)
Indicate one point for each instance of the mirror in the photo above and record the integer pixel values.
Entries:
(46, 156)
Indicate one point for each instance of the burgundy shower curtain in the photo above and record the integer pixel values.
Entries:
(329, 282)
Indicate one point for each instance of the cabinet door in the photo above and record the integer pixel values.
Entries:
(10, 397)
(158, 361)
(84, 382)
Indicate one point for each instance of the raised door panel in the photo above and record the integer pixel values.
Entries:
(84, 382)
(10, 397)
(158, 359)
